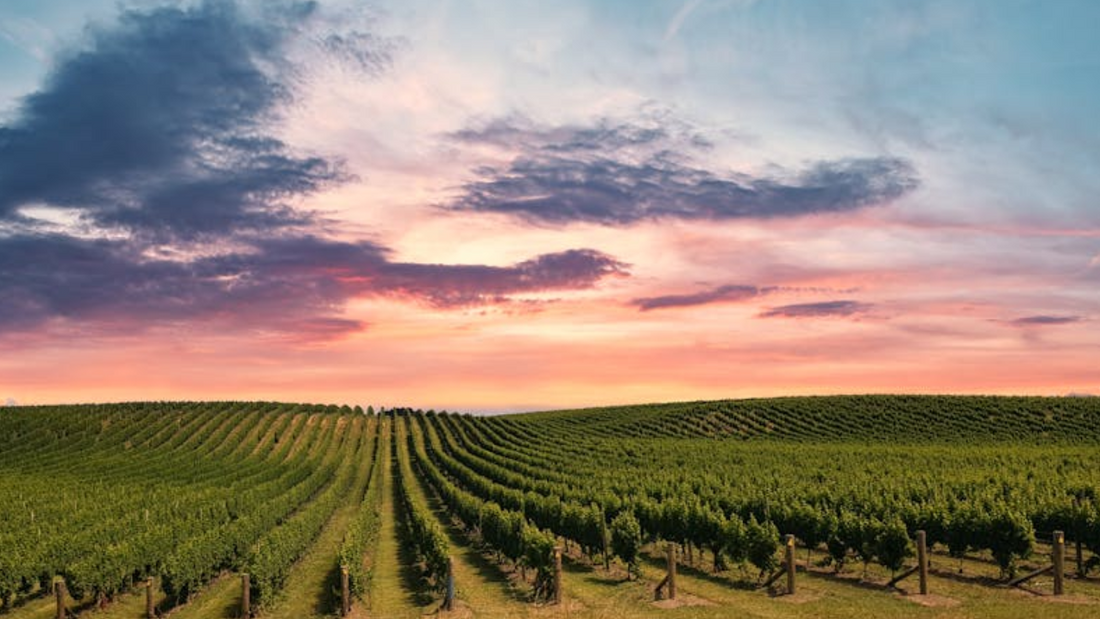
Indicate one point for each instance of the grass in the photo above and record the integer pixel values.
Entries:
(392, 592)
(312, 588)
(481, 587)
(221, 598)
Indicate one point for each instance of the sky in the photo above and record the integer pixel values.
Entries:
(497, 206)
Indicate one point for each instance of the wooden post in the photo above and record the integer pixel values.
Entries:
(922, 560)
(150, 611)
(246, 596)
(671, 571)
(449, 597)
(1080, 557)
(790, 565)
(345, 592)
(59, 593)
(1059, 560)
(606, 540)
(557, 574)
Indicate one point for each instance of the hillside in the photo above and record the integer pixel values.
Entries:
(191, 495)
(894, 418)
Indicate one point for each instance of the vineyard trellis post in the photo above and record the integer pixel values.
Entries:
(246, 593)
(1080, 557)
(1059, 561)
(345, 593)
(557, 574)
(670, 578)
(922, 560)
(449, 596)
(921, 568)
(786, 567)
(671, 551)
(59, 593)
(790, 564)
(150, 611)
(1057, 565)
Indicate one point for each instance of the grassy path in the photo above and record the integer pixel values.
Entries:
(391, 593)
(312, 586)
(220, 598)
(482, 588)
(125, 606)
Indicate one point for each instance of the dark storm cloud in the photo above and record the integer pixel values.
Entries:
(817, 310)
(160, 125)
(159, 136)
(728, 293)
(621, 174)
(289, 283)
(1043, 320)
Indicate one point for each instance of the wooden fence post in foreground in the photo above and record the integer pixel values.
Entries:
(1059, 561)
(671, 550)
(449, 597)
(345, 592)
(1080, 558)
(59, 593)
(246, 596)
(790, 565)
(922, 560)
(557, 574)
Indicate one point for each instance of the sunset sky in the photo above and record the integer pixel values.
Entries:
(511, 205)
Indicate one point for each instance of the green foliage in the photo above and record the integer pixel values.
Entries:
(1010, 536)
(272, 556)
(508, 531)
(734, 540)
(105, 495)
(761, 544)
(422, 532)
(893, 546)
(362, 533)
(626, 540)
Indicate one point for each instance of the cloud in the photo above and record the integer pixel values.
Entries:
(679, 18)
(622, 173)
(727, 293)
(160, 125)
(1044, 320)
(144, 184)
(452, 286)
(363, 51)
(10, 402)
(27, 35)
(293, 284)
(817, 310)
(655, 131)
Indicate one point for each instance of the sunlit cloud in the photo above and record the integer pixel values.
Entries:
(818, 310)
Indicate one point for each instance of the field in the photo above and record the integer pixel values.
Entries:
(103, 498)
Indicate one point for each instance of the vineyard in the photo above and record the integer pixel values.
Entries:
(682, 510)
